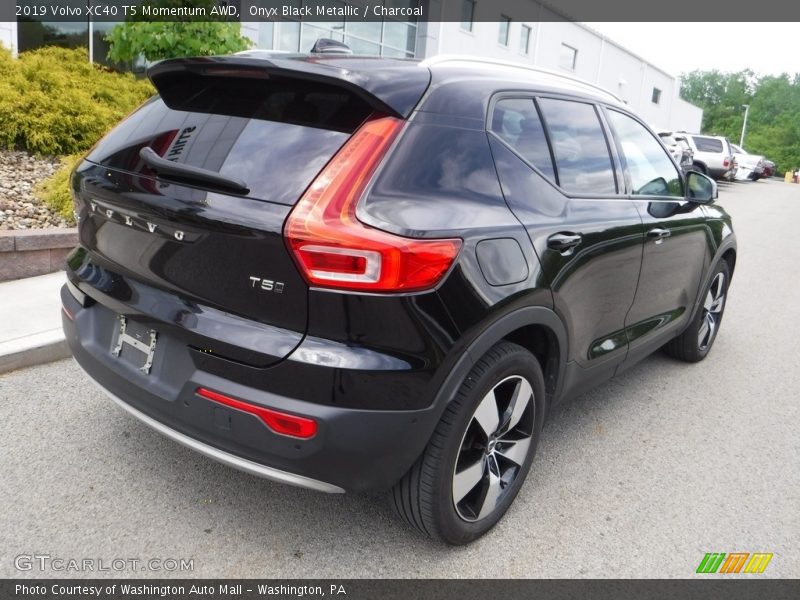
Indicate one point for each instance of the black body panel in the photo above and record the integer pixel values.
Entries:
(572, 277)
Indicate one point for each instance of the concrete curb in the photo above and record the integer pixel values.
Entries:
(37, 355)
(30, 322)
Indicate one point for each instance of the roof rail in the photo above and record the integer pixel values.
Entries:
(445, 58)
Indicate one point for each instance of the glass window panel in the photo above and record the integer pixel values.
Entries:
(525, 40)
(502, 33)
(467, 14)
(311, 33)
(362, 47)
(517, 123)
(369, 31)
(266, 35)
(35, 34)
(651, 170)
(705, 144)
(567, 57)
(579, 144)
(400, 35)
(290, 36)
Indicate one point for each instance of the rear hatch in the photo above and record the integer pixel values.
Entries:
(190, 193)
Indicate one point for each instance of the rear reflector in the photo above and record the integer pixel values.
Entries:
(279, 422)
(334, 249)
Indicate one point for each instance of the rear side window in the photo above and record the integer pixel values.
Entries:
(516, 122)
(274, 134)
(583, 161)
(707, 144)
(651, 170)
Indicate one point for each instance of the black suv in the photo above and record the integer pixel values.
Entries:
(352, 273)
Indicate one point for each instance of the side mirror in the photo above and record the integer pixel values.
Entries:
(700, 188)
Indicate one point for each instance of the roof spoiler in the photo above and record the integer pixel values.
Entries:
(391, 87)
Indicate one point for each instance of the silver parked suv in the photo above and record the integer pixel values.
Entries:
(713, 155)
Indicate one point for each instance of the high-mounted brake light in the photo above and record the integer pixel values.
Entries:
(334, 249)
(279, 422)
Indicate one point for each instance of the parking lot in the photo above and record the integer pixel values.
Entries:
(638, 478)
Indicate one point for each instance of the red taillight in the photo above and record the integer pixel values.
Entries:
(334, 249)
(279, 422)
(725, 162)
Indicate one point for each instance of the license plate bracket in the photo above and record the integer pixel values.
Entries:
(142, 340)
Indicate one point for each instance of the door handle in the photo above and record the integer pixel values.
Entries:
(563, 242)
(659, 234)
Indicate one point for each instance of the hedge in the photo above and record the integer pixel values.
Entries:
(54, 102)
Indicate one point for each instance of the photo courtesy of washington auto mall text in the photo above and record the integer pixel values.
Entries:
(170, 590)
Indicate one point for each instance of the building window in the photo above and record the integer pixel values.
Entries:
(525, 40)
(568, 57)
(467, 14)
(656, 97)
(397, 39)
(35, 34)
(505, 26)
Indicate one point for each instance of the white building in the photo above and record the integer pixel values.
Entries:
(489, 28)
(577, 50)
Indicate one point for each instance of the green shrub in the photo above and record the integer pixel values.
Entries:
(55, 190)
(156, 41)
(53, 101)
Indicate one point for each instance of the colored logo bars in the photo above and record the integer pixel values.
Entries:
(735, 562)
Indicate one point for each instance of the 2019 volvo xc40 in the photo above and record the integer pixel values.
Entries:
(352, 273)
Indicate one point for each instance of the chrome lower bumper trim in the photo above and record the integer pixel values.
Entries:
(226, 458)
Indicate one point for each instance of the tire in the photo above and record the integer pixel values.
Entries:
(700, 168)
(480, 451)
(694, 344)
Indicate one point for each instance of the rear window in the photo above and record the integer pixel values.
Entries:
(517, 123)
(275, 134)
(583, 161)
(707, 144)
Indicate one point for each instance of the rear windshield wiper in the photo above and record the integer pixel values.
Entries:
(188, 174)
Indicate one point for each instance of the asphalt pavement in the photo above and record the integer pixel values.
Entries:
(639, 478)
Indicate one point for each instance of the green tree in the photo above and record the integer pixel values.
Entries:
(198, 36)
(773, 124)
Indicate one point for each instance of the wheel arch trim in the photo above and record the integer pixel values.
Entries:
(728, 245)
(496, 331)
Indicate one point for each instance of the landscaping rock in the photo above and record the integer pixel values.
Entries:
(20, 173)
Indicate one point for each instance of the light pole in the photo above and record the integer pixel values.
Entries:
(744, 125)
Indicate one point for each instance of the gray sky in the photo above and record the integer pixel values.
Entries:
(766, 48)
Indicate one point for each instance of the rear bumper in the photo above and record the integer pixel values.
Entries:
(354, 449)
(225, 458)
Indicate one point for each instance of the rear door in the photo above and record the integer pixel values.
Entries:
(559, 177)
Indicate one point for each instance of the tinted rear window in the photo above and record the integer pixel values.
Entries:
(516, 122)
(706, 144)
(583, 162)
(274, 134)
